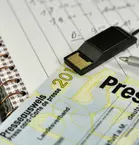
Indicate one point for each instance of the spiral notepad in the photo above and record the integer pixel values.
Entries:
(12, 89)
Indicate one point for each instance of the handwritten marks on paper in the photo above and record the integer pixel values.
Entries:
(51, 7)
(75, 21)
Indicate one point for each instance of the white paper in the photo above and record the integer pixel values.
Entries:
(39, 33)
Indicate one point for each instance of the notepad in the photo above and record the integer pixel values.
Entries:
(39, 33)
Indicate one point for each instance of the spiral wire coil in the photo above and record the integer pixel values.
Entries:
(10, 97)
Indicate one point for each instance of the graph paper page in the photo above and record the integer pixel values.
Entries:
(39, 33)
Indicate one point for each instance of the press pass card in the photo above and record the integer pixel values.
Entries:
(100, 109)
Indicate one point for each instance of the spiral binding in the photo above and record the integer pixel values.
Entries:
(12, 89)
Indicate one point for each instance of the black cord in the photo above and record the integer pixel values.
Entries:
(135, 32)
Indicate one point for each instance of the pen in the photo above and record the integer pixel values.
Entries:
(131, 60)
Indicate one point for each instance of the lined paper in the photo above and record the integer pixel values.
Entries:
(39, 33)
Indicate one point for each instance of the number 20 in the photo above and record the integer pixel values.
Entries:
(63, 77)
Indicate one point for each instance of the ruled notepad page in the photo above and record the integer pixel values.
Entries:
(39, 33)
